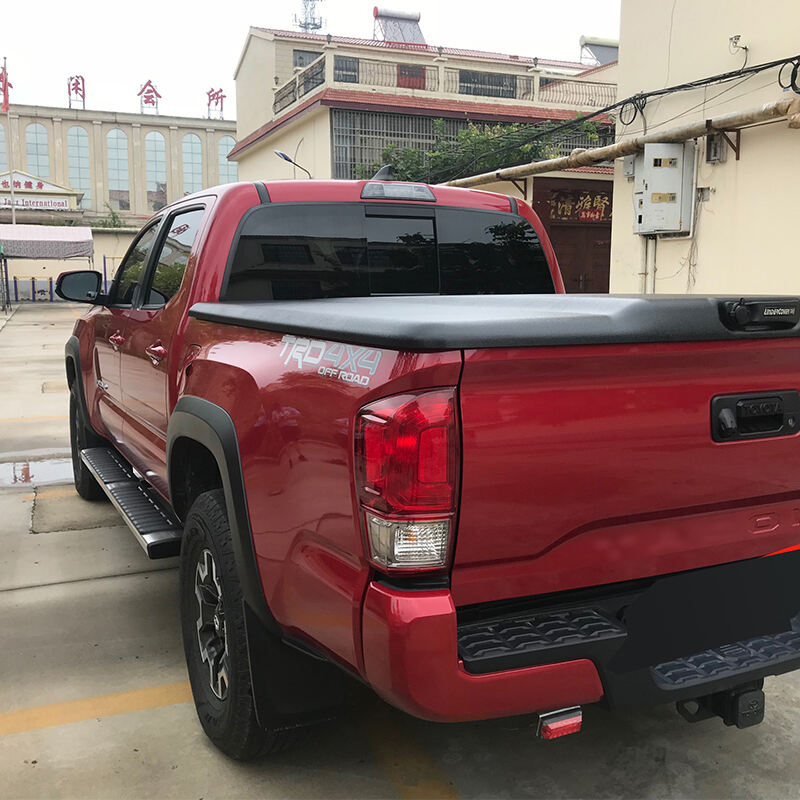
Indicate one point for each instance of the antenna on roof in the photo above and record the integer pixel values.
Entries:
(309, 22)
(397, 26)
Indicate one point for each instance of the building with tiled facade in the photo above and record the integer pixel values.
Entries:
(132, 164)
(103, 169)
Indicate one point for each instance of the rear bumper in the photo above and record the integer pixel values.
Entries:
(411, 660)
(679, 637)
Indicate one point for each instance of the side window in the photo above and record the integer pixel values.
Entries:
(132, 269)
(173, 257)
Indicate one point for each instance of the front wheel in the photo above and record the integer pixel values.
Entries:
(214, 635)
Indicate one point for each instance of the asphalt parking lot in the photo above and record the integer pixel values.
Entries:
(94, 700)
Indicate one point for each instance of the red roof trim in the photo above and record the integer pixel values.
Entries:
(424, 48)
(401, 104)
(343, 98)
(275, 124)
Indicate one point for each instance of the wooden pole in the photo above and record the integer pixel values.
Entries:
(594, 155)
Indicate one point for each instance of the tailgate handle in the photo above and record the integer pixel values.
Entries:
(735, 417)
(759, 416)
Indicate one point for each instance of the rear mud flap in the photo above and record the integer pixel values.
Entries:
(290, 688)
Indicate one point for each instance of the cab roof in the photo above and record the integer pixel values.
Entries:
(350, 191)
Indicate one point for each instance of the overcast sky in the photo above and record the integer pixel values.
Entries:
(185, 48)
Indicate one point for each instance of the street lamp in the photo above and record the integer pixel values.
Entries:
(288, 158)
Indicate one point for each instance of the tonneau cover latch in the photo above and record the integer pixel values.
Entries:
(781, 312)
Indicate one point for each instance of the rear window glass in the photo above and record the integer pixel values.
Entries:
(311, 250)
(490, 253)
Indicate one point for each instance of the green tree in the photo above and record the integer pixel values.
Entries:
(113, 220)
(476, 148)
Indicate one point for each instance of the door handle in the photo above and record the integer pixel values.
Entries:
(117, 339)
(156, 352)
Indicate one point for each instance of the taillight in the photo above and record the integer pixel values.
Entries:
(406, 475)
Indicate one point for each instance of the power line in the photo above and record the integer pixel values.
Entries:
(636, 103)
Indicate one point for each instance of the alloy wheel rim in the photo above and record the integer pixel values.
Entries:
(212, 637)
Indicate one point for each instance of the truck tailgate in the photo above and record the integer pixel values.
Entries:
(589, 465)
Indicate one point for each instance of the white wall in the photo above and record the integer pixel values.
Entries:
(309, 137)
(744, 240)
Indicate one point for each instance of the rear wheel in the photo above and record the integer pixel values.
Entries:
(214, 636)
(81, 438)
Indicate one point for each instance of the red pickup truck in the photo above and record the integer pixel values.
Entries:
(387, 445)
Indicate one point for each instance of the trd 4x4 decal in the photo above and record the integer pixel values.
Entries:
(343, 362)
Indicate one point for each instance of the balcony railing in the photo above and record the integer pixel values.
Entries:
(577, 93)
(385, 73)
(352, 71)
(488, 84)
(300, 85)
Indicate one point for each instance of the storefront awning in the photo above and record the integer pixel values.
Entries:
(46, 241)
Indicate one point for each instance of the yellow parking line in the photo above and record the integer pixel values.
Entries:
(408, 765)
(32, 419)
(28, 719)
(67, 491)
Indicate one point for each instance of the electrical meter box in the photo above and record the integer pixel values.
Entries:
(663, 189)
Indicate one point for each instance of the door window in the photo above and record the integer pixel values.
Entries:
(173, 257)
(131, 271)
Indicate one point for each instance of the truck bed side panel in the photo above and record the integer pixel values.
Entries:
(295, 430)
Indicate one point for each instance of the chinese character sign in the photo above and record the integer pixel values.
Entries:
(580, 206)
(215, 100)
(76, 89)
(148, 97)
(7, 183)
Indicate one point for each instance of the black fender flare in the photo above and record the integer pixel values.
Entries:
(72, 352)
(291, 686)
(211, 426)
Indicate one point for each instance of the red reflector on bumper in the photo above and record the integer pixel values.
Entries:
(560, 723)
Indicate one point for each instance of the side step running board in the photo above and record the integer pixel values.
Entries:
(138, 503)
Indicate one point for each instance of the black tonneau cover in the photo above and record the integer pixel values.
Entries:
(439, 322)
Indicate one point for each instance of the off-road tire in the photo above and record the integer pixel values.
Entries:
(230, 722)
(81, 437)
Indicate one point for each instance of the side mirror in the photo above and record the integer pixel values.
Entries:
(80, 286)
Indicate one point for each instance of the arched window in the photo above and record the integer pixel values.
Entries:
(119, 186)
(228, 170)
(155, 163)
(3, 158)
(192, 164)
(78, 161)
(36, 150)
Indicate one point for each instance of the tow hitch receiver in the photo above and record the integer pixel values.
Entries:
(558, 723)
(741, 706)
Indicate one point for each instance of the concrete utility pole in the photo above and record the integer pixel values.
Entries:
(786, 107)
(10, 140)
